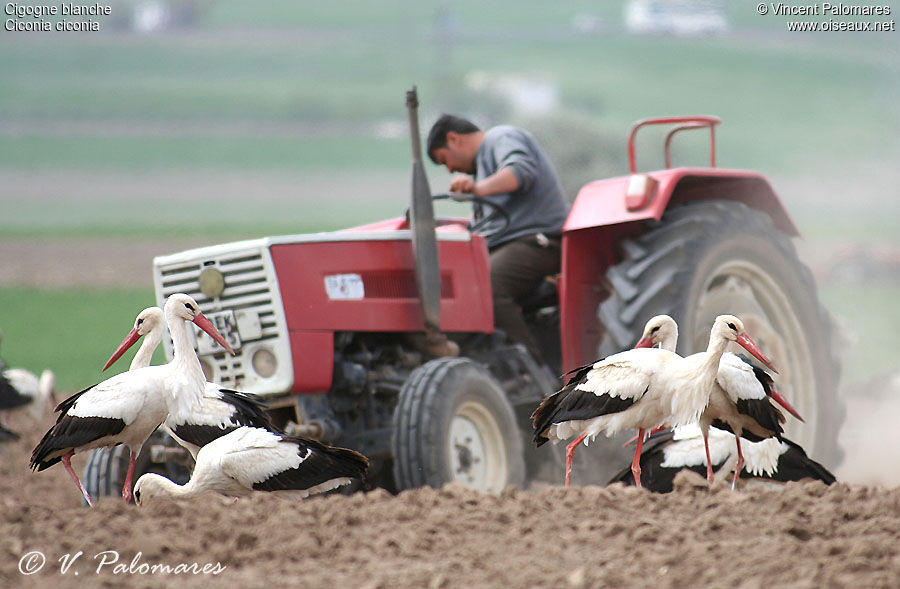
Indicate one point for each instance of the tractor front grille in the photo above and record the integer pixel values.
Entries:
(250, 291)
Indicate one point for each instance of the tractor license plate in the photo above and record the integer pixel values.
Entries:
(225, 322)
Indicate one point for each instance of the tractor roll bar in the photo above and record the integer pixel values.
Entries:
(690, 122)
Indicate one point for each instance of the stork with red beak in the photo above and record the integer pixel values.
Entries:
(740, 401)
(638, 389)
(220, 410)
(128, 407)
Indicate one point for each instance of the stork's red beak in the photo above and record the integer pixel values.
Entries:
(748, 344)
(206, 325)
(129, 340)
(644, 342)
(784, 403)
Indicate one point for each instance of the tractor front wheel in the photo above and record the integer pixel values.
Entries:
(453, 423)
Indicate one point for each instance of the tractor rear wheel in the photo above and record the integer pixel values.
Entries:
(453, 423)
(707, 258)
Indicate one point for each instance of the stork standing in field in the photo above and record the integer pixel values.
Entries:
(252, 459)
(219, 411)
(128, 407)
(639, 389)
(740, 401)
(772, 461)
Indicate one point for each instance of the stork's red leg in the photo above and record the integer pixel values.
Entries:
(655, 430)
(126, 490)
(710, 475)
(740, 461)
(570, 454)
(636, 463)
(66, 460)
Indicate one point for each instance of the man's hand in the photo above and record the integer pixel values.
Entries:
(463, 184)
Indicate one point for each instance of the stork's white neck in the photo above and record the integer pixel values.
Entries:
(697, 374)
(185, 360)
(148, 346)
(670, 342)
(714, 351)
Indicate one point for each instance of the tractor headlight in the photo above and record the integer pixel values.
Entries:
(264, 362)
(212, 283)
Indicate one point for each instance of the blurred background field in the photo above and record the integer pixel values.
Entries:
(189, 123)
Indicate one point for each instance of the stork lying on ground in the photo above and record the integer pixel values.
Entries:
(638, 389)
(769, 461)
(219, 411)
(128, 407)
(740, 401)
(252, 459)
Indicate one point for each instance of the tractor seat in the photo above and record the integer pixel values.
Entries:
(545, 295)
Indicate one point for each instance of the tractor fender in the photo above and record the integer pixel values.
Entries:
(607, 202)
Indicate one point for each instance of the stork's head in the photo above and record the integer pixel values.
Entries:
(184, 307)
(148, 320)
(149, 485)
(730, 328)
(659, 331)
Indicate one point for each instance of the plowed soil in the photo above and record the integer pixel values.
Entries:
(801, 535)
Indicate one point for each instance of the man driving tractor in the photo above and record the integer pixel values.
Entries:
(506, 167)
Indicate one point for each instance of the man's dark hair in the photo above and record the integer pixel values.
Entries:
(437, 137)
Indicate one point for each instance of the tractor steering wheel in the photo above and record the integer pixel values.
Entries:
(467, 197)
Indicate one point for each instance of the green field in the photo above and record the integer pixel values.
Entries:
(284, 117)
(72, 332)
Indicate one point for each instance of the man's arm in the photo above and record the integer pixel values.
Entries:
(503, 180)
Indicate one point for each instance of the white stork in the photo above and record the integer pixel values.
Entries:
(638, 389)
(740, 398)
(253, 459)
(219, 411)
(128, 407)
(771, 460)
(22, 389)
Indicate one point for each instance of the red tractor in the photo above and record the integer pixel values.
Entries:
(330, 327)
